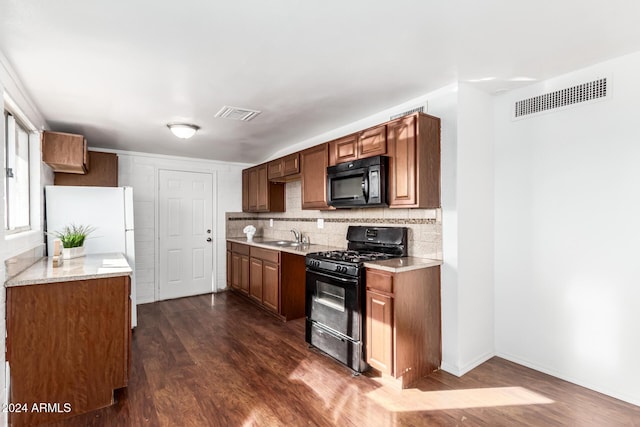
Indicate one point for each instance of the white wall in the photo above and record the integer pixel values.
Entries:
(474, 235)
(567, 232)
(140, 171)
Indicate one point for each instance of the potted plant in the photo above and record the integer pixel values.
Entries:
(72, 237)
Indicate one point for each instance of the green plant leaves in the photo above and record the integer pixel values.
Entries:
(72, 236)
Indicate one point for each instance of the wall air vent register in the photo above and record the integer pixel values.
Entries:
(584, 92)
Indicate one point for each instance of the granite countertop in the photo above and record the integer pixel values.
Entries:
(398, 265)
(395, 265)
(93, 266)
(298, 250)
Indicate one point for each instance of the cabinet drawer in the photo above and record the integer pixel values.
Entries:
(240, 248)
(380, 281)
(265, 254)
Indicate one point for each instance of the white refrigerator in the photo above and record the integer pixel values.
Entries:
(108, 209)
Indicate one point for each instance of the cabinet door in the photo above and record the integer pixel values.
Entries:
(373, 142)
(263, 189)
(270, 285)
(401, 137)
(313, 162)
(255, 279)
(344, 149)
(380, 332)
(275, 169)
(245, 190)
(65, 152)
(244, 274)
(291, 164)
(253, 189)
(229, 268)
(235, 271)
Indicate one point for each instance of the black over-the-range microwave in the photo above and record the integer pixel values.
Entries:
(357, 184)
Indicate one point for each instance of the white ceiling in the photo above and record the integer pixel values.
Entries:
(118, 71)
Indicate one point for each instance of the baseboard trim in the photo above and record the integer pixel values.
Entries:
(634, 400)
(460, 371)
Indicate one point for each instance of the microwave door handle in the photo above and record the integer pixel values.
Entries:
(365, 187)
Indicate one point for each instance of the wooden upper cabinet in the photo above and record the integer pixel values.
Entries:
(368, 143)
(284, 167)
(245, 190)
(103, 172)
(263, 188)
(258, 193)
(413, 144)
(343, 149)
(372, 142)
(313, 162)
(252, 186)
(65, 152)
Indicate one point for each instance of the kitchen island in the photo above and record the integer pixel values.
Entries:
(68, 337)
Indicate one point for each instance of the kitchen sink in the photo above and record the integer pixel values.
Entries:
(283, 243)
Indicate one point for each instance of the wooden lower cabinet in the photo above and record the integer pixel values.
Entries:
(270, 285)
(255, 279)
(264, 277)
(272, 279)
(403, 327)
(238, 267)
(380, 331)
(68, 345)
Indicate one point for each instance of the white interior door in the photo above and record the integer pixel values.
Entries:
(185, 233)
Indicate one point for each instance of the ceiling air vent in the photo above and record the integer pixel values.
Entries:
(235, 113)
(561, 98)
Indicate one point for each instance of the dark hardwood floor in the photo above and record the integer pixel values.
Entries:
(217, 360)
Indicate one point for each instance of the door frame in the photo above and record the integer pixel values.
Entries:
(214, 229)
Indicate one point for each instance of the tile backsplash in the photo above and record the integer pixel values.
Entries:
(425, 225)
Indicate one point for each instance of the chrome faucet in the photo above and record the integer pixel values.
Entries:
(296, 234)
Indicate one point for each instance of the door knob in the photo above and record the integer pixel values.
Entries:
(208, 239)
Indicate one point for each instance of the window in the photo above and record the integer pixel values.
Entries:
(17, 206)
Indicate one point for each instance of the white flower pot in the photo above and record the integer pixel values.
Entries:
(68, 253)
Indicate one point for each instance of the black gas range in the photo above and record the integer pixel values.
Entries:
(335, 291)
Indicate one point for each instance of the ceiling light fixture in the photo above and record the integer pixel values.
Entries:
(183, 130)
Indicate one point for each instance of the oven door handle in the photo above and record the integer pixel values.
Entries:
(332, 277)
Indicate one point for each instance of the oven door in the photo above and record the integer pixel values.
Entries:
(334, 301)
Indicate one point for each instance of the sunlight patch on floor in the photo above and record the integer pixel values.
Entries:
(417, 400)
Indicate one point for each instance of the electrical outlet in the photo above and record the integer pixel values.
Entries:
(320, 222)
(271, 222)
